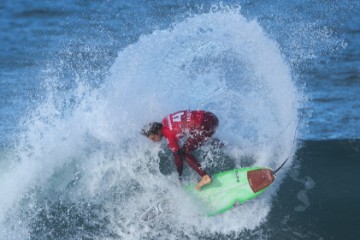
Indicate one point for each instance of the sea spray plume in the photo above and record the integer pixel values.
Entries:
(50, 141)
(223, 63)
(216, 61)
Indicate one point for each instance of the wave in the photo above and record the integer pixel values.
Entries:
(83, 170)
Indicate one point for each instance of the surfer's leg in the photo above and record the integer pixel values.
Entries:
(193, 163)
(179, 164)
(205, 179)
(210, 123)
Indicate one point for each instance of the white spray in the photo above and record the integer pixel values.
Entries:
(95, 156)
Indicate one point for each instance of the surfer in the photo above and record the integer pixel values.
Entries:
(197, 126)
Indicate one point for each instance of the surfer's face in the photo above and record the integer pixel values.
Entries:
(155, 137)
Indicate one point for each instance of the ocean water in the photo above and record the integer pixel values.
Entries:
(78, 79)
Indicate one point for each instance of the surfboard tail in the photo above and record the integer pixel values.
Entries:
(260, 179)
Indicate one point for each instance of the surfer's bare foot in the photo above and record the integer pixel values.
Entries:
(204, 181)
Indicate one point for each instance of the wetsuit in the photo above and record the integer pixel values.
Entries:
(197, 126)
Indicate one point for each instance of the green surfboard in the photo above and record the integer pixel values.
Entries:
(231, 188)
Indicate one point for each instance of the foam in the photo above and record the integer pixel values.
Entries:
(217, 61)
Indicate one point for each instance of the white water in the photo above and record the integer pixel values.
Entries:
(92, 152)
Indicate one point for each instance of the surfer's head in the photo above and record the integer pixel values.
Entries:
(152, 131)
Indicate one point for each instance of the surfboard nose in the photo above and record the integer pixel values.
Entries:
(260, 179)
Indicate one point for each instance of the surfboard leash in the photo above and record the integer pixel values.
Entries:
(274, 172)
(292, 149)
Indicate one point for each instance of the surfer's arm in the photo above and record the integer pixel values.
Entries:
(171, 139)
(178, 162)
(172, 142)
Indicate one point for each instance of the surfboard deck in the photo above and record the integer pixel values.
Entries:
(231, 188)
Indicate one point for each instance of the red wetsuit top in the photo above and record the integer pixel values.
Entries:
(180, 124)
(198, 126)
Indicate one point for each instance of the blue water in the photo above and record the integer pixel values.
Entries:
(78, 80)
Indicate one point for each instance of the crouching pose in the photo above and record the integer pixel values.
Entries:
(197, 126)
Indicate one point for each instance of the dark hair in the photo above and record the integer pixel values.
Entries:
(151, 128)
